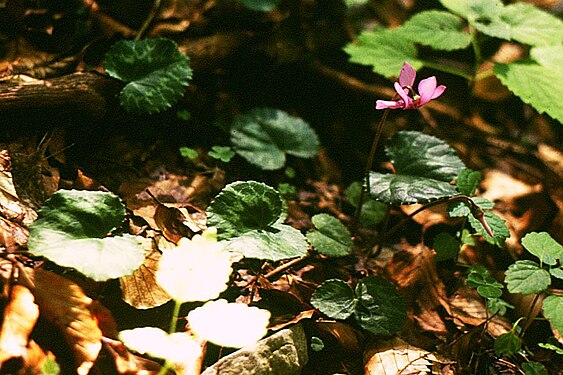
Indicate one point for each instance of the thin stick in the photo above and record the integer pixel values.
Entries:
(150, 17)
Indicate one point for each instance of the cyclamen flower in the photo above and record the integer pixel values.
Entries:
(427, 91)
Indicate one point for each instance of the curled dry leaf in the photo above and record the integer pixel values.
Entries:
(64, 304)
(127, 363)
(397, 357)
(20, 317)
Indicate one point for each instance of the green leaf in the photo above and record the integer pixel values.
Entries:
(467, 237)
(384, 50)
(243, 206)
(274, 243)
(535, 84)
(50, 366)
(317, 344)
(438, 29)
(550, 57)
(507, 344)
(543, 246)
(223, 153)
(71, 231)
(263, 136)
(473, 9)
(498, 306)
(156, 71)
(548, 346)
(184, 114)
(557, 272)
(446, 246)
(523, 23)
(188, 152)
(335, 299)
(380, 308)
(553, 311)
(467, 181)
(424, 167)
(460, 208)
(526, 277)
(498, 226)
(489, 291)
(373, 212)
(534, 368)
(260, 5)
(331, 238)
(487, 286)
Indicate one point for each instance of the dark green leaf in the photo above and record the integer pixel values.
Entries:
(373, 212)
(526, 277)
(243, 206)
(446, 246)
(156, 71)
(497, 225)
(553, 311)
(534, 368)
(543, 246)
(263, 136)
(380, 308)
(467, 181)
(498, 306)
(71, 231)
(331, 238)
(334, 298)
(489, 291)
(479, 276)
(398, 189)
(260, 5)
(507, 344)
(461, 208)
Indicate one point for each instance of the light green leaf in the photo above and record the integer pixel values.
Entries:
(473, 9)
(553, 311)
(380, 308)
(373, 212)
(460, 208)
(467, 181)
(331, 238)
(497, 225)
(275, 243)
(260, 5)
(535, 84)
(543, 246)
(71, 231)
(334, 298)
(549, 346)
(557, 272)
(507, 344)
(188, 152)
(424, 166)
(263, 136)
(156, 71)
(385, 51)
(317, 344)
(223, 153)
(489, 292)
(526, 277)
(50, 366)
(550, 57)
(243, 206)
(446, 246)
(355, 2)
(438, 29)
(534, 368)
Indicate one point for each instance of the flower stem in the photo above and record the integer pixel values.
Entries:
(369, 164)
(175, 312)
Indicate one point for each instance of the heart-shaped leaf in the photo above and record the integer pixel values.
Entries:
(552, 310)
(71, 229)
(543, 246)
(335, 299)
(156, 71)
(526, 277)
(331, 238)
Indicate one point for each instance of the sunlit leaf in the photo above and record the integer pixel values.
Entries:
(334, 298)
(331, 237)
(229, 324)
(543, 246)
(71, 231)
(526, 277)
(263, 136)
(461, 209)
(550, 57)
(156, 72)
(497, 225)
(553, 311)
(380, 309)
(507, 344)
(467, 181)
(438, 29)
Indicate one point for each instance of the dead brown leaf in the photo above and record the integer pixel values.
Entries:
(64, 304)
(127, 363)
(396, 356)
(20, 317)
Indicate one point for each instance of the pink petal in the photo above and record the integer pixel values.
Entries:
(439, 91)
(403, 93)
(407, 75)
(384, 104)
(426, 89)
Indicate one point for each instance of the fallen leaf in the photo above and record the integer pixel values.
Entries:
(64, 304)
(127, 363)
(20, 317)
(395, 356)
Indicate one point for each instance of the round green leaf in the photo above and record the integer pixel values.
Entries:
(526, 277)
(156, 71)
(534, 368)
(380, 308)
(553, 311)
(275, 243)
(334, 298)
(243, 206)
(263, 136)
(331, 238)
(70, 230)
(467, 181)
(438, 29)
(489, 291)
(535, 84)
(384, 50)
(373, 212)
(507, 344)
(446, 246)
(543, 246)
